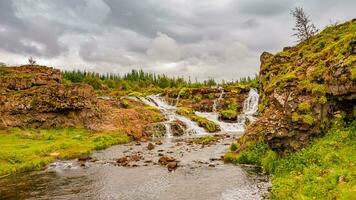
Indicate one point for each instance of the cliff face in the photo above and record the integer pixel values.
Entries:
(303, 87)
(34, 96)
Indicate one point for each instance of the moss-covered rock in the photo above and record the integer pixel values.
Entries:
(202, 122)
(303, 86)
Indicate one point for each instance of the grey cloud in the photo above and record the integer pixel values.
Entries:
(27, 37)
(193, 38)
(263, 8)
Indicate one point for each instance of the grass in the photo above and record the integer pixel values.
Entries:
(326, 169)
(28, 150)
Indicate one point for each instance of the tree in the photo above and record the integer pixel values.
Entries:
(304, 28)
(31, 61)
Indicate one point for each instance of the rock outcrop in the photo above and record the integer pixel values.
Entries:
(34, 96)
(303, 87)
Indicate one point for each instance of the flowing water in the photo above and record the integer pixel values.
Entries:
(201, 173)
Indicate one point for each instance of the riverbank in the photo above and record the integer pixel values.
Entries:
(137, 170)
(30, 149)
(324, 170)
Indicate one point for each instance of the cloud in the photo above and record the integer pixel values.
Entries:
(221, 39)
(164, 48)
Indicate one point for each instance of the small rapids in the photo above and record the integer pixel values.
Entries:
(170, 114)
(249, 111)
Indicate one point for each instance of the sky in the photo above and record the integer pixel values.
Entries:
(201, 39)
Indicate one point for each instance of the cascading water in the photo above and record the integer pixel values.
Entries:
(170, 115)
(216, 101)
(250, 107)
(178, 97)
(249, 110)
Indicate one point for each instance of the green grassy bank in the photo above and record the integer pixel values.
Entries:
(28, 150)
(326, 169)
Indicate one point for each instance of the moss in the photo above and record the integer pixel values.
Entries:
(205, 140)
(3, 71)
(322, 100)
(125, 103)
(136, 94)
(197, 98)
(228, 114)
(304, 107)
(314, 88)
(353, 73)
(306, 118)
(233, 146)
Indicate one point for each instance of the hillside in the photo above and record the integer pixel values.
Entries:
(304, 89)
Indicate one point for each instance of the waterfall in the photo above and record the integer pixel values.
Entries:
(169, 113)
(216, 101)
(250, 107)
(251, 103)
(249, 110)
(178, 97)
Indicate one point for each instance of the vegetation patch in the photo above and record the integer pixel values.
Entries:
(210, 139)
(30, 149)
(228, 114)
(324, 170)
(202, 121)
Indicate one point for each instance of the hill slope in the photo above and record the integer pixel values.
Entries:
(304, 90)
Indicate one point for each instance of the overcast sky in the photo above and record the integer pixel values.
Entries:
(198, 38)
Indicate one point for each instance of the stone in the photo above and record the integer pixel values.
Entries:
(172, 166)
(164, 160)
(150, 146)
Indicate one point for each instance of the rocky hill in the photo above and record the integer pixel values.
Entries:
(35, 96)
(303, 87)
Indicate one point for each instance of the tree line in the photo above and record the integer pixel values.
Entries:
(136, 79)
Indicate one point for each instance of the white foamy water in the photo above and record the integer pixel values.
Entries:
(170, 114)
(249, 111)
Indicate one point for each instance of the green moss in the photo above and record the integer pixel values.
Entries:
(233, 146)
(197, 98)
(125, 103)
(353, 73)
(3, 71)
(228, 114)
(27, 150)
(306, 118)
(205, 140)
(136, 94)
(314, 88)
(304, 107)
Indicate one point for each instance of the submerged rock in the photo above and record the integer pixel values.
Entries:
(178, 128)
(155, 130)
(150, 146)
(164, 160)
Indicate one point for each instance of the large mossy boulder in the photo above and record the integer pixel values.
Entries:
(34, 96)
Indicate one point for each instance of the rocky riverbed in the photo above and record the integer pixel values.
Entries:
(179, 168)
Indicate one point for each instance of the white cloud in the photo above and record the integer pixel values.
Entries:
(164, 48)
